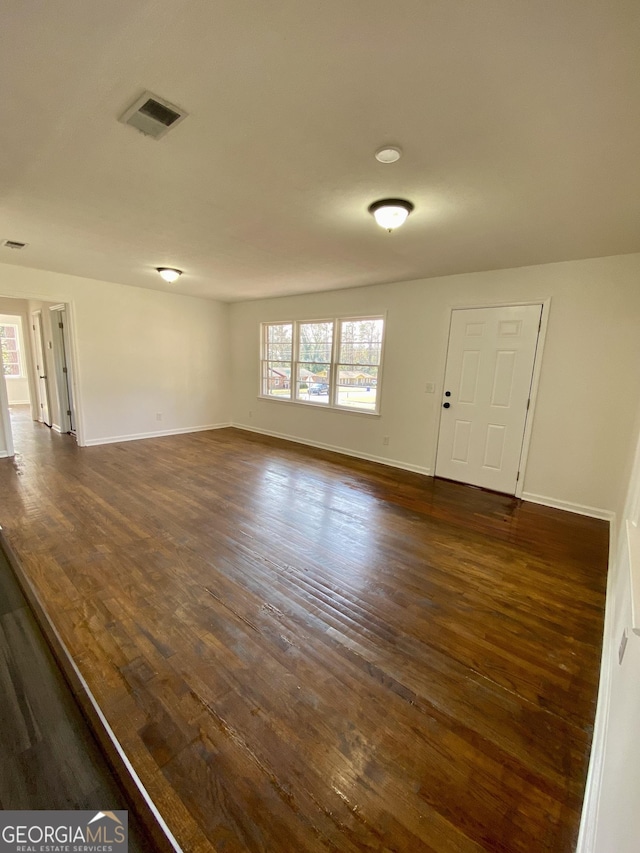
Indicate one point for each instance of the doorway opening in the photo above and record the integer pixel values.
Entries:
(43, 410)
(15, 361)
(62, 366)
(37, 385)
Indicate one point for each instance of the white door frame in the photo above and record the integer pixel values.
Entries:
(64, 378)
(74, 364)
(72, 355)
(40, 355)
(535, 379)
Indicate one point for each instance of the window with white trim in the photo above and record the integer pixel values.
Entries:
(10, 346)
(277, 356)
(359, 359)
(331, 363)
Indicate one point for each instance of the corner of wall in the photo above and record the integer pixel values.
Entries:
(593, 787)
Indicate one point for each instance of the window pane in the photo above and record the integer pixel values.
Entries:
(278, 342)
(9, 346)
(357, 386)
(315, 342)
(277, 379)
(312, 382)
(361, 341)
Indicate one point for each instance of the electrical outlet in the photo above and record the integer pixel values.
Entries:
(623, 645)
(385, 440)
(158, 416)
(430, 388)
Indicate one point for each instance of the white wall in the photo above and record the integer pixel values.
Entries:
(588, 392)
(139, 352)
(17, 390)
(611, 816)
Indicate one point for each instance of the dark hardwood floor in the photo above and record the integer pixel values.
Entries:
(50, 759)
(304, 652)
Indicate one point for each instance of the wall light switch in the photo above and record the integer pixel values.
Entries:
(430, 388)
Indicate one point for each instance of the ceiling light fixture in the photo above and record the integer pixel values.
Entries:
(390, 213)
(388, 154)
(169, 274)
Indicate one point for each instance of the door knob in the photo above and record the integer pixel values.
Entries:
(446, 405)
(447, 393)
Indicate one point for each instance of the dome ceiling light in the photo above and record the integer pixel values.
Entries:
(388, 154)
(390, 213)
(168, 274)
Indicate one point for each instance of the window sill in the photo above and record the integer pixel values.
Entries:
(343, 410)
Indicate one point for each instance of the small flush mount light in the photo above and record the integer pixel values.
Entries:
(169, 274)
(390, 213)
(388, 154)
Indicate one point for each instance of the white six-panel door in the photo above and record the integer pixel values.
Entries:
(487, 386)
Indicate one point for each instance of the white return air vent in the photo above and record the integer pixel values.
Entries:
(152, 115)
(14, 244)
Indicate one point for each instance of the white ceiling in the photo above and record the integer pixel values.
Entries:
(519, 121)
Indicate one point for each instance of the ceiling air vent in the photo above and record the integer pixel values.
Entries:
(13, 244)
(152, 115)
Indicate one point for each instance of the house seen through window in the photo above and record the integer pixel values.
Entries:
(331, 363)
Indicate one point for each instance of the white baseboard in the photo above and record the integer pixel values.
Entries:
(345, 451)
(580, 509)
(4, 454)
(114, 439)
(19, 403)
(593, 788)
(56, 428)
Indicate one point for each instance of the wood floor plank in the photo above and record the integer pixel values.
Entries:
(49, 757)
(303, 651)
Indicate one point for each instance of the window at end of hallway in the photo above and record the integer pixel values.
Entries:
(11, 362)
